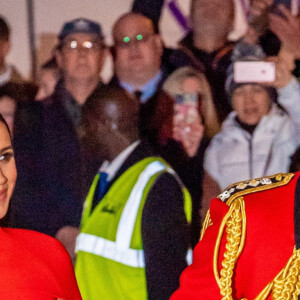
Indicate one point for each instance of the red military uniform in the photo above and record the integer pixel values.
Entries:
(34, 266)
(247, 248)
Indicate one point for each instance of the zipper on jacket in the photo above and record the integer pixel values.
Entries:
(250, 158)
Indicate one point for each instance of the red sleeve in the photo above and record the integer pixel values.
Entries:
(50, 268)
(269, 244)
(198, 280)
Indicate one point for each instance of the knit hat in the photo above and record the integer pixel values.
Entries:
(81, 25)
(245, 52)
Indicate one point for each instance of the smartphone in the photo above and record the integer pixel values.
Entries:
(292, 5)
(187, 107)
(254, 71)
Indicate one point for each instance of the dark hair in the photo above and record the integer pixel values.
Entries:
(12, 90)
(18, 91)
(4, 29)
(6, 221)
(50, 64)
(295, 161)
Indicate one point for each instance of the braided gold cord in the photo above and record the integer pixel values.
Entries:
(234, 232)
(287, 285)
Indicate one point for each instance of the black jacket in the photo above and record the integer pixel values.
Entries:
(55, 172)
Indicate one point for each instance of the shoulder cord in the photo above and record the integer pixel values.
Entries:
(285, 286)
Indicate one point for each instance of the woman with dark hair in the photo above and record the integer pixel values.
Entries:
(32, 265)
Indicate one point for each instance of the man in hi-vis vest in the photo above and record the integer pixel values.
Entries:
(134, 234)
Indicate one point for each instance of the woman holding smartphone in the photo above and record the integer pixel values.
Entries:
(194, 123)
(33, 266)
(260, 135)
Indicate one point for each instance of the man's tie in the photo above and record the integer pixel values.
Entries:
(102, 185)
(138, 95)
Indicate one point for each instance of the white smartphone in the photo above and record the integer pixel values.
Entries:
(254, 71)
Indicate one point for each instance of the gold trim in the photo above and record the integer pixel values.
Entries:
(282, 178)
(286, 285)
(206, 223)
(235, 223)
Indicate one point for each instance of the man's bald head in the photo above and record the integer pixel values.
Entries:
(110, 121)
(131, 19)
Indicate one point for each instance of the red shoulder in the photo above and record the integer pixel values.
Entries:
(51, 253)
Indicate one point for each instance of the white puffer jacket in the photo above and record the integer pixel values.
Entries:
(235, 155)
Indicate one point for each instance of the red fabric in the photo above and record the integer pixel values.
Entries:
(34, 266)
(269, 245)
(198, 281)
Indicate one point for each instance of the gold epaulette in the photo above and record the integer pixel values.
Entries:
(243, 188)
(254, 185)
(287, 284)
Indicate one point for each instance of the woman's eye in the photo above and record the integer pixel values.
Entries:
(6, 156)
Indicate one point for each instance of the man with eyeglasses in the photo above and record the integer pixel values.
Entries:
(80, 56)
(137, 56)
(65, 169)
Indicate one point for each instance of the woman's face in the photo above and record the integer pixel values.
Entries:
(8, 172)
(191, 85)
(251, 102)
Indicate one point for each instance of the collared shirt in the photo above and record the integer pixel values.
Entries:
(148, 89)
(73, 108)
(112, 168)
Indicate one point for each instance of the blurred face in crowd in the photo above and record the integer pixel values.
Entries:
(8, 172)
(8, 109)
(191, 85)
(212, 17)
(81, 56)
(251, 102)
(138, 49)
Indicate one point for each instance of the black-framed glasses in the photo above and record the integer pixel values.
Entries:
(73, 45)
(140, 38)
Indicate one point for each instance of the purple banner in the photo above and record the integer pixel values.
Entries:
(180, 18)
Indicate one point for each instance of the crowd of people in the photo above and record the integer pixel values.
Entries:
(123, 173)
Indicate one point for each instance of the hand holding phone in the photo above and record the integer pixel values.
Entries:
(187, 125)
(288, 31)
(189, 135)
(291, 5)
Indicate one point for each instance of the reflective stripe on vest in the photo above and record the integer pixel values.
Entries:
(108, 249)
(120, 250)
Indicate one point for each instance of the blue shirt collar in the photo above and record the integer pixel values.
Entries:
(148, 89)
